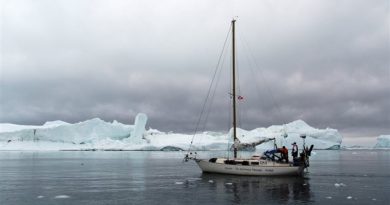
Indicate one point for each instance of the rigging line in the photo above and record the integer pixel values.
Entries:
(208, 92)
(214, 91)
(265, 82)
(230, 118)
(239, 105)
(212, 96)
(250, 63)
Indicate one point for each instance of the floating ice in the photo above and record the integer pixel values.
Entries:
(194, 179)
(349, 197)
(179, 182)
(328, 197)
(211, 181)
(339, 184)
(62, 197)
(96, 134)
(40, 197)
(229, 183)
(383, 141)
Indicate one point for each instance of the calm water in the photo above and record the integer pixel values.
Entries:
(336, 177)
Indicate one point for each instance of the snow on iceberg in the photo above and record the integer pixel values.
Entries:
(383, 141)
(96, 134)
(6, 127)
(291, 132)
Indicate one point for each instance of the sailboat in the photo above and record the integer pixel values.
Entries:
(269, 164)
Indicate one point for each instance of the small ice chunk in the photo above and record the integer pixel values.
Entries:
(179, 182)
(211, 181)
(229, 183)
(339, 184)
(62, 197)
(194, 179)
(374, 199)
(40, 197)
(328, 197)
(349, 197)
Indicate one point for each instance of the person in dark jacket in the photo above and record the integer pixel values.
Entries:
(294, 151)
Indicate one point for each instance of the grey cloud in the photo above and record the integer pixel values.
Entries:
(326, 62)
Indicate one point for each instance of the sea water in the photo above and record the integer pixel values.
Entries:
(102, 177)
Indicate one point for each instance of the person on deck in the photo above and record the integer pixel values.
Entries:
(284, 152)
(294, 152)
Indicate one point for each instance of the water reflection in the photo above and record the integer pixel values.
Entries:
(247, 189)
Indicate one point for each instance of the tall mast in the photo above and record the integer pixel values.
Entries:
(234, 87)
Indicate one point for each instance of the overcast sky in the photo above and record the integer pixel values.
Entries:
(326, 62)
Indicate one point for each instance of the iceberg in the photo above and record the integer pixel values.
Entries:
(383, 141)
(287, 134)
(96, 134)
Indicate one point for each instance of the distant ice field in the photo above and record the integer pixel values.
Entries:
(96, 134)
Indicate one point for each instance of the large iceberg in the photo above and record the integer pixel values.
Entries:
(383, 141)
(96, 134)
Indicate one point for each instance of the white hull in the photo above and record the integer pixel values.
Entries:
(266, 169)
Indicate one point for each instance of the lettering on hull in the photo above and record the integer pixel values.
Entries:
(249, 169)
